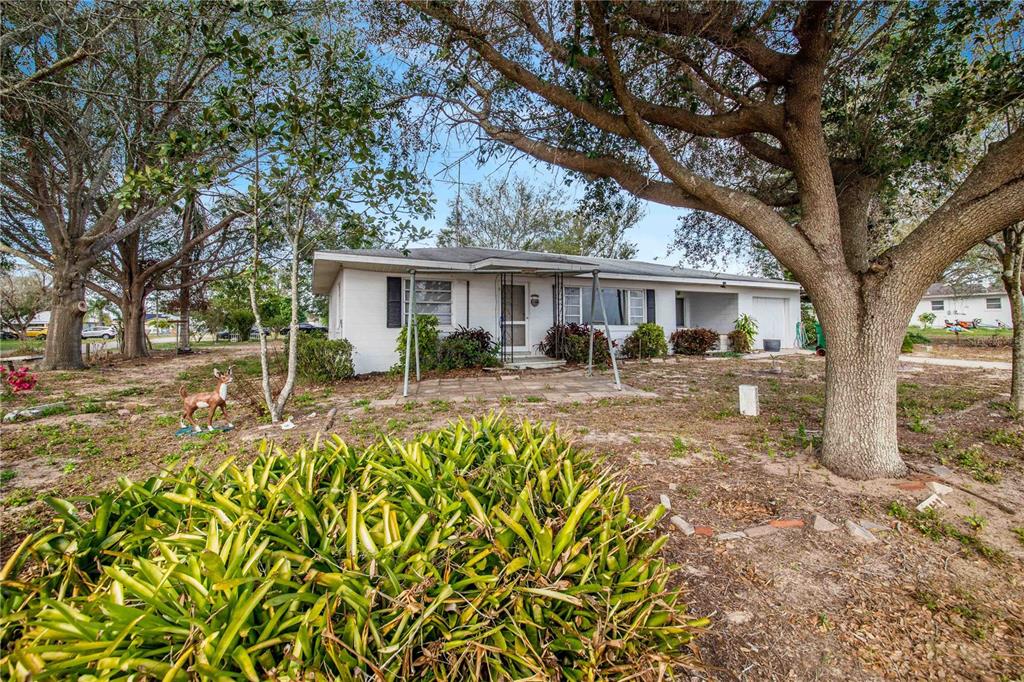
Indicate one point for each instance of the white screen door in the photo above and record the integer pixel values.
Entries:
(513, 317)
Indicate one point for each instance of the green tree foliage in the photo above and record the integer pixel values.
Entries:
(513, 214)
(796, 123)
(100, 148)
(311, 105)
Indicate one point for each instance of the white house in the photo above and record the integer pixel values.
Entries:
(990, 305)
(519, 295)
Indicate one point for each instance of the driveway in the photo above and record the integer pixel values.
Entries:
(954, 362)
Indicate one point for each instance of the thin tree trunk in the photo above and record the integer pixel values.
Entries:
(293, 336)
(1012, 285)
(268, 395)
(859, 434)
(185, 292)
(64, 331)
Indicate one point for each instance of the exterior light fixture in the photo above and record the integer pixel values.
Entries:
(534, 300)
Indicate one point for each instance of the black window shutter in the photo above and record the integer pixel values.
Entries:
(650, 305)
(394, 305)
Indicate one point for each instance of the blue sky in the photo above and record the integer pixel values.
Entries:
(652, 234)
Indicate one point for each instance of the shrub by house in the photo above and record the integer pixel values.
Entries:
(646, 341)
(697, 341)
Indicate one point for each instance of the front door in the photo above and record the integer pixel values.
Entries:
(513, 318)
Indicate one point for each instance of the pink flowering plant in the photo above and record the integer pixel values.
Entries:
(17, 381)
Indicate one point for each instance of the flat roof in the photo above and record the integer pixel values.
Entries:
(472, 259)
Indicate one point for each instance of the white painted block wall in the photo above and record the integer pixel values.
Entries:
(967, 308)
(357, 309)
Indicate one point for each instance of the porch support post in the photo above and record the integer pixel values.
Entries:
(607, 334)
(408, 332)
(416, 334)
(590, 354)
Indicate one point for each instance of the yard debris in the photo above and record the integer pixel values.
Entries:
(329, 420)
(32, 412)
(931, 502)
(706, 531)
(786, 523)
(736, 535)
(944, 472)
(860, 534)
(761, 531)
(939, 488)
(666, 502)
(911, 486)
(683, 525)
(823, 525)
(288, 425)
(870, 525)
(739, 617)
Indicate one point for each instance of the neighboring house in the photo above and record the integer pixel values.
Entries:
(472, 287)
(991, 305)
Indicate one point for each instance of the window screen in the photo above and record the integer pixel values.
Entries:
(433, 297)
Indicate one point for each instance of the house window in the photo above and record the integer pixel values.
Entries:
(993, 303)
(573, 307)
(433, 297)
(637, 300)
(938, 305)
(623, 306)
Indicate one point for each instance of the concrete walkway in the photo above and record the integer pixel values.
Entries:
(571, 386)
(954, 362)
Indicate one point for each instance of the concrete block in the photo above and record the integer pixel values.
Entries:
(748, 400)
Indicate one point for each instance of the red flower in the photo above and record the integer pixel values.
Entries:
(18, 380)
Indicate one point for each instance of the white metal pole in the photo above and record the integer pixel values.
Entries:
(408, 334)
(608, 336)
(416, 334)
(590, 355)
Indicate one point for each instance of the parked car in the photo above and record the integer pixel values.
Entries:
(8, 335)
(224, 335)
(106, 332)
(305, 327)
(37, 331)
(254, 333)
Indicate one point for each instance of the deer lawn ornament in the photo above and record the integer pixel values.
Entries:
(211, 401)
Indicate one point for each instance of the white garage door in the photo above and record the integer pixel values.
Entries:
(770, 314)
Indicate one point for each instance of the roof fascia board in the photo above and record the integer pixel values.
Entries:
(410, 263)
(582, 269)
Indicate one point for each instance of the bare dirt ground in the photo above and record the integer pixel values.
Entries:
(937, 596)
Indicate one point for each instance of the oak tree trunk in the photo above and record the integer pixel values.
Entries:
(861, 361)
(133, 315)
(64, 331)
(1017, 320)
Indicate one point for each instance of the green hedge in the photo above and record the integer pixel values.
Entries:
(481, 551)
(323, 359)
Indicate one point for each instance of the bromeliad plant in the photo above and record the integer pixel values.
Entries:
(481, 551)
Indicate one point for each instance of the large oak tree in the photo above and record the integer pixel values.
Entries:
(99, 149)
(791, 120)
